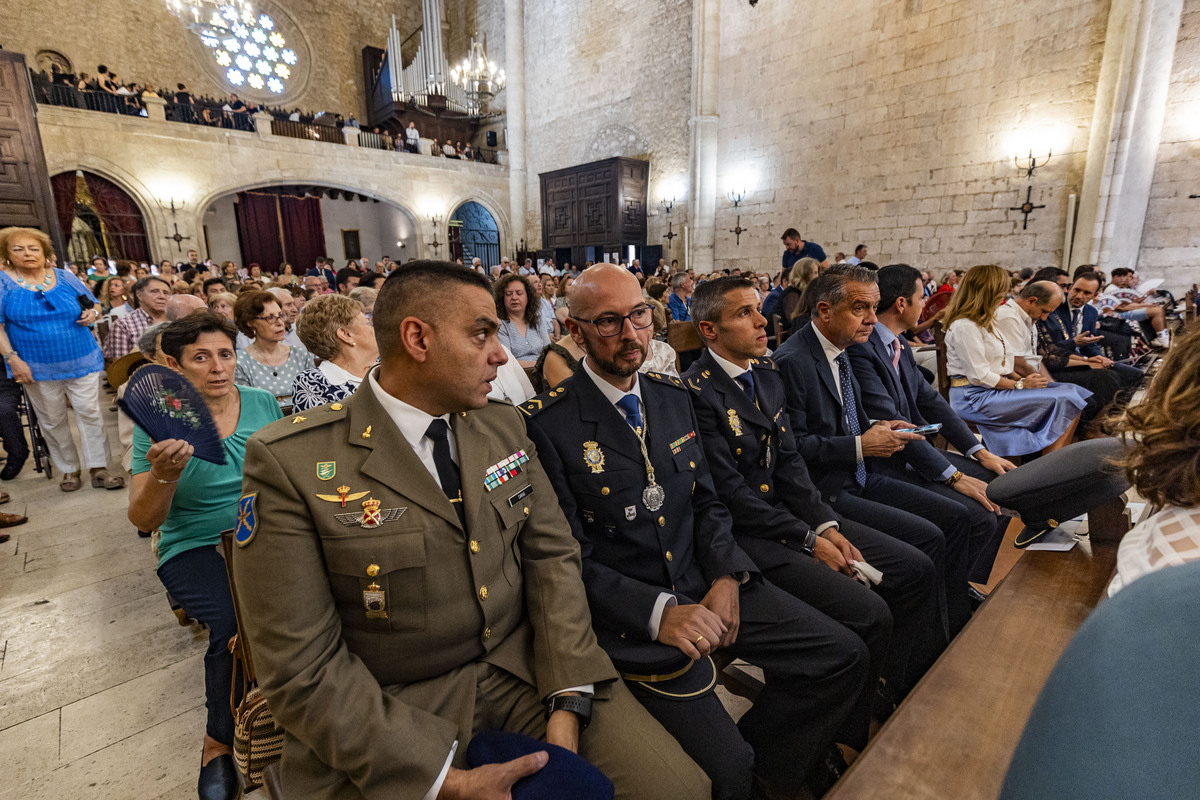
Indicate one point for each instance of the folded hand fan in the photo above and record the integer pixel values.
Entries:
(166, 406)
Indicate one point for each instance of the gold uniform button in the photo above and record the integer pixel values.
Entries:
(483, 593)
(604, 491)
(526, 510)
(669, 556)
(336, 407)
(372, 570)
(739, 451)
(764, 488)
(474, 546)
(662, 521)
(692, 464)
(487, 634)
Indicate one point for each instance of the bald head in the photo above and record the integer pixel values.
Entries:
(180, 305)
(599, 284)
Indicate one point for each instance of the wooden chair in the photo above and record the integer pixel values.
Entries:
(943, 373)
(683, 338)
(780, 332)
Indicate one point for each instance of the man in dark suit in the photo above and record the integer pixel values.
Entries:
(892, 388)
(323, 269)
(838, 440)
(1072, 333)
(779, 518)
(666, 582)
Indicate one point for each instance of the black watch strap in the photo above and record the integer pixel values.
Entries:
(579, 706)
(810, 543)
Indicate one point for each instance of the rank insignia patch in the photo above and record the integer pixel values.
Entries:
(326, 470)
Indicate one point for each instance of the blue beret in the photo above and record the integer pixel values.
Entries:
(565, 774)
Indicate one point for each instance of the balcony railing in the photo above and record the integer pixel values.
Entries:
(64, 93)
(314, 132)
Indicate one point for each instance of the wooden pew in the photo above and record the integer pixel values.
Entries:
(954, 735)
(684, 338)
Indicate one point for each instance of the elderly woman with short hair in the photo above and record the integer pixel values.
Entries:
(336, 330)
(267, 362)
(47, 347)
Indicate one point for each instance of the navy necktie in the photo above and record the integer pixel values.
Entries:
(447, 470)
(746, 379)
(633, 415)
(850, 406)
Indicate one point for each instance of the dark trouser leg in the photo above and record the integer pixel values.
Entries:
(814, 671)
(198, 581)
(1131, 378)
(1102, 383)
(984, 529)
(952, 528)
(842, 599)
(910, 589)
(12, 432)
(708, 735)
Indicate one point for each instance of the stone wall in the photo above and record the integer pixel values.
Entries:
(895, 125)
(609, 79)
(156, 161)
(141, 41)
(1171, 238)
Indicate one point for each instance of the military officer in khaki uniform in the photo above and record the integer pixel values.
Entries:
(407, 578)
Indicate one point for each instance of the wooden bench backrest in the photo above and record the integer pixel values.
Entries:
(683, 337)
(943, 374)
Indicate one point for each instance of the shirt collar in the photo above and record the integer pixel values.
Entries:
(885, 333)
(1020, 312)
(831, 350)
(731, 369)
(336, 375)
(611, 393)
(412, 421)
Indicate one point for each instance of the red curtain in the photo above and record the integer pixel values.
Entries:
(121, 216)
(63, 188)
(258, 227)
(303, 231)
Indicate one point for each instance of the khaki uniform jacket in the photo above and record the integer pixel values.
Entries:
(372, 705)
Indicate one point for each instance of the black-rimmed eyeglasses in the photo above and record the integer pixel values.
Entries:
(612, 324)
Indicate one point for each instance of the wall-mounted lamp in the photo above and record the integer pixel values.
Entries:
(1031, 163)
(435, 244)
(667, 205)
(172, 205)
(400, 244)
(736, 197)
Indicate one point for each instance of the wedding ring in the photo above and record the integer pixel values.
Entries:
(700, 639)
(174, 463)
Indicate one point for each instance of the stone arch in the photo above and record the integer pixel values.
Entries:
(144, 210)
(494, 208)
(98, 165)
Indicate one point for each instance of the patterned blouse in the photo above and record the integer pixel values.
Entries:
(277, 380)
(313, 388)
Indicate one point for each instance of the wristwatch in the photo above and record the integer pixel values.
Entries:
(9, 355)
(810, 544)
(1020, 384)
(579, 706)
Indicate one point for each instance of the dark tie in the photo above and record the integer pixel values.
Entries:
(851, 408)
(1075, 321)
(447, 470)
(896, 354)
(633, 415)
(746, 379)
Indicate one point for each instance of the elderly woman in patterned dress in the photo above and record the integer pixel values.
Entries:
(336, 330)
(267, 362)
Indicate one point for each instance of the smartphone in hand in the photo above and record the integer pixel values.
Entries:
(924, 430)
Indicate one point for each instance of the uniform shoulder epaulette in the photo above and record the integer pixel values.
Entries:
(662, 377)
(698, 381)
(764, 362)
(543, 401)
(303, 421)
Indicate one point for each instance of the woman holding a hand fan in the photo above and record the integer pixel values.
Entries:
(188, 449)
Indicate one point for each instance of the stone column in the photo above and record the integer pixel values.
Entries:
(156, 107)
(262, 124)
(350, 134)
(514, 66)
(702, 189)
(1131, 100)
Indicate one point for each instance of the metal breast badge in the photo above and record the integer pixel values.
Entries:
(593, 456)
(735, 422)
(375, 601)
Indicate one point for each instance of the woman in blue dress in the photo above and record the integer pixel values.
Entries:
(523, 330)
(1016, 414)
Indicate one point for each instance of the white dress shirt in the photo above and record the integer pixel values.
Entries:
(983, 357)
(831, 355)
(511, 384)
(1019, 332)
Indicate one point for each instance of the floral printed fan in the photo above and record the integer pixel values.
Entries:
(167, 406)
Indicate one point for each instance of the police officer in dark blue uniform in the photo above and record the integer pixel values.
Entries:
(666, 582)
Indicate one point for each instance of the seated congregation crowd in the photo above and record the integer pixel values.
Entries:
(426, 549)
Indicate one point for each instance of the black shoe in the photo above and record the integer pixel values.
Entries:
(975, 598)
(144, 534)
(13, 467)
(827, 771)
(219, 780)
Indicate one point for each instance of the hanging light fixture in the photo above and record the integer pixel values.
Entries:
(477, 76)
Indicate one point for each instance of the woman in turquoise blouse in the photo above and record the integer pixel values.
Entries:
(190, 502)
